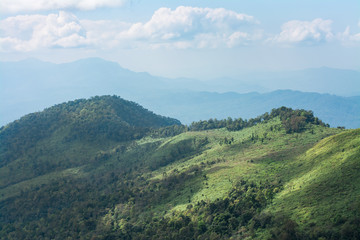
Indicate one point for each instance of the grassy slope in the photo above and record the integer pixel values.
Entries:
(320, 177)
(268, 158)
(321, 186)
(324, 189)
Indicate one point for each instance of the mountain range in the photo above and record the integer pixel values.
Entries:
(32, 85)
(107, 168)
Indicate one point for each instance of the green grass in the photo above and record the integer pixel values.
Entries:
(272, 158)
(327, 185)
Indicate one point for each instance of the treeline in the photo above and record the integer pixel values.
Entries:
(168, 131)
(296, 120)
(230, 124)
(292, 120)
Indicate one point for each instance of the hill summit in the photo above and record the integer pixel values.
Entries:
(91, 120)
(107, 116)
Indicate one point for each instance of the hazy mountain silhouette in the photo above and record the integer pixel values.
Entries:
(32, 85)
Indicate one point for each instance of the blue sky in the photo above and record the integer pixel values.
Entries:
(199, 39)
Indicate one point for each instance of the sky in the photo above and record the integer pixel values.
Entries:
(192, 38)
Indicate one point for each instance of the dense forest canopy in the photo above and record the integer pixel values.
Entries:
(105, 117)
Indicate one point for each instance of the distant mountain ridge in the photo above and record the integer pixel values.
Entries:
(324, 80)
(32, 85)
(187, 106)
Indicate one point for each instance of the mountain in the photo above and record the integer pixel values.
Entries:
(341, 82)
(194, 106)
(71, 172)
(75, 125)
(32, 85)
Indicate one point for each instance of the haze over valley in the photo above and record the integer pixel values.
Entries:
(323, 90)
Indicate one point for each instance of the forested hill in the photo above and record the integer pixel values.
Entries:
(106, 168)
(91, 120)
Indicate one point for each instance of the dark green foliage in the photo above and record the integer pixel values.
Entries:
(230, 124)
(74, 207)
(284, 228)
(207, 220)
(106, 117)
(292, 120)
(68, 208)
(168, 131)
(295, 120)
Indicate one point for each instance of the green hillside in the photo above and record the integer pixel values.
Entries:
(324, 195)
(106, 168)
(71, 135)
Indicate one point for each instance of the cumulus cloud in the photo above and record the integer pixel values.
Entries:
(304, 32)
(30, 32)
(184, 27)
(185, 22)
(191, 26)
(14, 6)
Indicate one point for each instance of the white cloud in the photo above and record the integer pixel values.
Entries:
(304, 32)
(14, 6)
(190, 26)
(184, 27)
(31, 32)
(185, 22)
(348, 38)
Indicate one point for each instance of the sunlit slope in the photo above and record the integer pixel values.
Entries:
(326, 191)
(318, 174)
(205, 166)
(260, 153)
